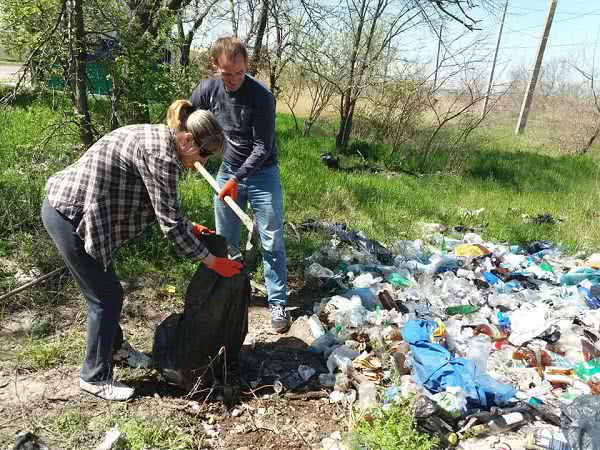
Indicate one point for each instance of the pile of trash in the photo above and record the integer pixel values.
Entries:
(484, 337)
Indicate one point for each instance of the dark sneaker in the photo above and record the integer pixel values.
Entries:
(280, 318)
(128, 356)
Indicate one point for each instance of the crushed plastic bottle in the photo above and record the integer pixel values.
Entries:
(322, 342)
(367, 395)
(306, 372)
(316, 327)
(546, 440)
(340, 357)
(479, 351)
(585, 291)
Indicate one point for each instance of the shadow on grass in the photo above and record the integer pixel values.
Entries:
(529, 171)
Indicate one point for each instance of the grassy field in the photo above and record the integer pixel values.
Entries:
(505, 175)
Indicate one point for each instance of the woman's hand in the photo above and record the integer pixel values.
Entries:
(223, 266)
(198, 230)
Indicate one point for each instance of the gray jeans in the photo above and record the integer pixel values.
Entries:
(100, 288)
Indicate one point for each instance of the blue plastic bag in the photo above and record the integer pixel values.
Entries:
(436, 368)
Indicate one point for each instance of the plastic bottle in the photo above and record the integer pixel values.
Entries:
(461, 309)
(585, 292)
(494, 332)
(546, 440)
(290, 381)
(411, 265)
(367, 395)
(491, 278)
(316, 327)
(322, 342)
(397, 280)
(327, 380)
(449, 263)
(501, 424)
(479, 351)
(340, 357)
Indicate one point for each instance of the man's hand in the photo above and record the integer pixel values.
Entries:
(223, 266)
(199, 230)
(230, 188)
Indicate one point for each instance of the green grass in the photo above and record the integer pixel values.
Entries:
(77, 428)
(392, 429)
(67, 348)
(151, 432)
(506, 175)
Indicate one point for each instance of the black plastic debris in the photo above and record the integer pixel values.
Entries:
(580, 423)
(330, 161)
(356, 238)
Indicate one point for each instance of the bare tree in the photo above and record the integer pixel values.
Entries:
(192, 17)
(258, 41)
(589, 75)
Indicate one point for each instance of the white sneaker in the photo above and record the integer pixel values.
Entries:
(129, 356)
(108, 390)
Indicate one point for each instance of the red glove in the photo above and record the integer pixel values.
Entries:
(198, 230)
(224, 266)
(230, 188)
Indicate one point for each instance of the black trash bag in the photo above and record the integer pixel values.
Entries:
(188, 346)
(580, 423)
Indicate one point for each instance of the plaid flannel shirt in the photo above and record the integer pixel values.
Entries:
(123, 183)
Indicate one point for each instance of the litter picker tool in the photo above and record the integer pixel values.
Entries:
(253, 241)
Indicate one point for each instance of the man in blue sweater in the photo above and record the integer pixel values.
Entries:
(245, 108)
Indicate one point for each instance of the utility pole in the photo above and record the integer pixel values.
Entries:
(491, 81)
(528, 99)
(437, 60)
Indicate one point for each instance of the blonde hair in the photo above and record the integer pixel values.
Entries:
(206, 130)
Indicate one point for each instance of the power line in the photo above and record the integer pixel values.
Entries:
(553, 45)
(560, 12)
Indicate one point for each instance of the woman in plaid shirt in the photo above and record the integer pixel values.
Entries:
(123, 183)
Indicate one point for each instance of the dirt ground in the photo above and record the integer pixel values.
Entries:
(249, 416)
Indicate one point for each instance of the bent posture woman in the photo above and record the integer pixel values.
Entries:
(124, 182)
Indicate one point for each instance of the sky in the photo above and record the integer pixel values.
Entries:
(575, 30)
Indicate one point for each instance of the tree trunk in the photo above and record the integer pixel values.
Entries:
(260, 33)
(78, 74)
(184, 59)
(591, 140)
(346, 115)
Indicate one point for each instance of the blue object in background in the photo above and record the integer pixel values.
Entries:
(436, 369)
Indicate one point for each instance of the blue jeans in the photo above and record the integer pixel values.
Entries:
(262, 190)
(101, 289)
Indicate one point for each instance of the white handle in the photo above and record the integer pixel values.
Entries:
(230, 202)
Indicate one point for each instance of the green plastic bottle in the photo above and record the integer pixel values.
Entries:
(461, 309)
(397, 281)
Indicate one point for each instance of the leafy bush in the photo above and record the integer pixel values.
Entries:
(391, 429)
